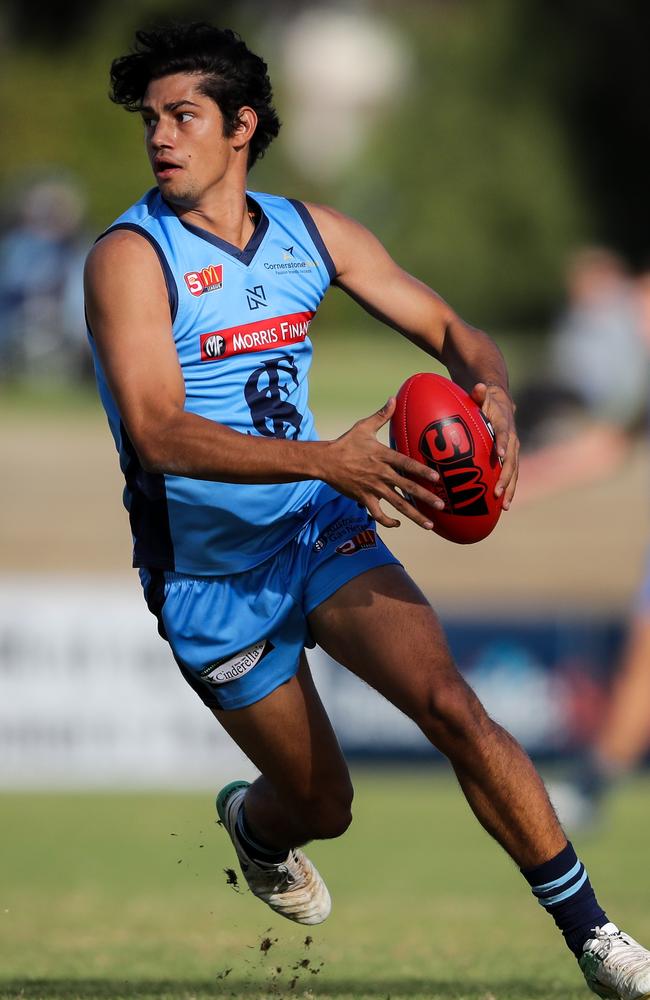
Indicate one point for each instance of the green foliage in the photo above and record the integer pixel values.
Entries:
(468, 177)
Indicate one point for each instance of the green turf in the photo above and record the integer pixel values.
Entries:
(113, 896)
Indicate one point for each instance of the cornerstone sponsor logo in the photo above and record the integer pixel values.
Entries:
(262, 335)
(236, 666)
(364, 540)
(208, 279)
(289, 263)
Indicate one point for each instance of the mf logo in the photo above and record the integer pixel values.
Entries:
(266, 392)
(447, 446)
(213, 347)
(208, 279)
(256, 297)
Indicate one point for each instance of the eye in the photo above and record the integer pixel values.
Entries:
(148, 121)
(185, 116)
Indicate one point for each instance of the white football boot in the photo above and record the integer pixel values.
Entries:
(615, 965)
(293, 888)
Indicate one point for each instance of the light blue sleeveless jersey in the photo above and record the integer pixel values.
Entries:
(240, 321)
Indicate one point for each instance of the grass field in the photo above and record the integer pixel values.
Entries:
(115, 896)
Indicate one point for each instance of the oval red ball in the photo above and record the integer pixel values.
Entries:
(439, 424)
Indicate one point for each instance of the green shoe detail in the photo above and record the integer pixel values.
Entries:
(225, 794)
(590, 963)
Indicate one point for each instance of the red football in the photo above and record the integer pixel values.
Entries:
(439, 424)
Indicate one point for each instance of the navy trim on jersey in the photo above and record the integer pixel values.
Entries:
(317, 239)
(246, 255)
(172, 290)
(148, 512)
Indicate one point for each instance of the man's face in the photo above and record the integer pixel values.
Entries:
(184, 138)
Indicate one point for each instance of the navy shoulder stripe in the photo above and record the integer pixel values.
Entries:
(172, 290)
(313, 231)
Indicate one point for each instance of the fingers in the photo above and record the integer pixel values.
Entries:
(507, 482)
(498, 408)
(382, 416)
(402, 505)
(415, 491)
(479, 392)
(374, 509)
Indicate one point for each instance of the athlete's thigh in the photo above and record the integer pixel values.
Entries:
(289, 738)
(381, 627)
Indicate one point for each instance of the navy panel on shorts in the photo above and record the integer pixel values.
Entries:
(238, 638)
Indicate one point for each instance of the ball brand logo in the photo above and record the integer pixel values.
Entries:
(208, 279)
(214, 346)
(366, 539)
(447, 446)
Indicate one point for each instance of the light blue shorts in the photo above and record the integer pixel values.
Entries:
(237, 638)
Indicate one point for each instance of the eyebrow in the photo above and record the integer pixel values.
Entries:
(171, 106)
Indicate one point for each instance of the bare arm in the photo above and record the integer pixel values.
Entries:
(370, 276)
(591, 454)
(129, 317)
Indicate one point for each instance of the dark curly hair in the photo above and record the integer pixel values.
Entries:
(232, 75)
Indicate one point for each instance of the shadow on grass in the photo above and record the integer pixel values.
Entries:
(188, 989)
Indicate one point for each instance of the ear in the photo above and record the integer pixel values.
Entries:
(246, 125)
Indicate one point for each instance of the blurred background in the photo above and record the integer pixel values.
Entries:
(494, 146)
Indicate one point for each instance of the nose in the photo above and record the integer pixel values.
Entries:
(161, 135)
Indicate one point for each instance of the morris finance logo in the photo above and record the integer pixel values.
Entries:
(208, 279)
(262, 335)
(236, 666)
(447, 446)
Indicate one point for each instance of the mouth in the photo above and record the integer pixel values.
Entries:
(165, 169)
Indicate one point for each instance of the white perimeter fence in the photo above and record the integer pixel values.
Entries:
(91, 697)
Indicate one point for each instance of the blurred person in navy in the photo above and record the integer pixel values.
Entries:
(42, 248)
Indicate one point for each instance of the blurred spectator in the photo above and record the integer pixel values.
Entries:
(585, 421)
(577, 421)
(42, 249)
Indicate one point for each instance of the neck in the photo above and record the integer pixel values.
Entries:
(223, 212)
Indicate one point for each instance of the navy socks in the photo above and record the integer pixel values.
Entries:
(256, 851)
(562, 887)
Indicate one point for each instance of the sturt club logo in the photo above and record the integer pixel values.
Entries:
(208, 279)
(447, 446)
(266, 392)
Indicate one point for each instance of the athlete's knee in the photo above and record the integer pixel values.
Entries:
(451, 711)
